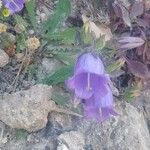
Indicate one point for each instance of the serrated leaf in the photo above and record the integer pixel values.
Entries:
(20, 20)
(59, 76)
(20, 42)
(67, 36)
(66, 58)
(31, 9)
(7, 39)
(32, 70)
(61, 12)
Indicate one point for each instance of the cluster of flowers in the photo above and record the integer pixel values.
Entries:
(12, 6)
(91, 86)
(90, 83)
(31, 43)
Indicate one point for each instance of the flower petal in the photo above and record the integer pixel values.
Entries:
(101, 108)
(106, 112)
(99, 85)
(14, 5)
(87, 62)
(92, 113)
(107, 100)
(79, 84)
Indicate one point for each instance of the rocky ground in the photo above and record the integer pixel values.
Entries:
(31, 120)
(48, 127)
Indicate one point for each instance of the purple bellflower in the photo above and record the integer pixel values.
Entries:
(90, 84)
(14, 5)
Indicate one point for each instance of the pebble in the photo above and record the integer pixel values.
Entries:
(4, 58)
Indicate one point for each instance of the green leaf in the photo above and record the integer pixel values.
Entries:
(60, 99)
(19, 20)
(31, 9)
(132, 92)
(127, 95)
(61, 12)
(32, 70)
(7, 39)
(21, 134)
(20, 46)
(53, 48)
(100, 43)
(116, 65)
(59, 76)
(67, 36)
(88, 39)
(66, 57)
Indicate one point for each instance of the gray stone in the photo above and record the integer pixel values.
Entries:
(62, 146)
(145, 100)
(43, 144)
(4, 58)
(48, 67)
(3, 139)
(72, 140)
(63, 120)
(27, 109)
(127, 131)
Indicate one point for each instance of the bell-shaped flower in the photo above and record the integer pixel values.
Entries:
(99, 109)
(90, 84)
(89, 78)
(14, 5)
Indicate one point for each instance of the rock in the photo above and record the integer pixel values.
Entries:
(143, 103)
(23, 145)
(31, 32)
(4, 58)
(114, 90)
(16, 145)
(145, 98)
(62, 120)
(2, 128)
(31, 138)
(48, 67)
(3, 139)
(27, 109)
(62, 146)
(126, 131)
(72, 140)
(19, 57)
